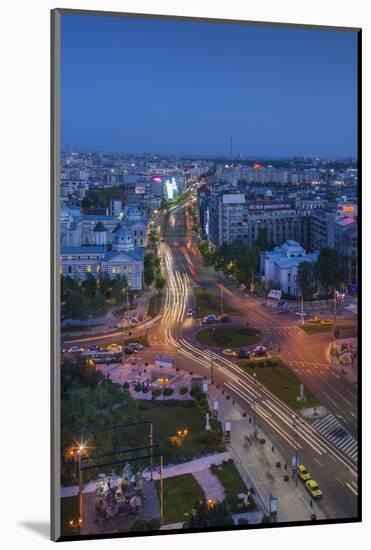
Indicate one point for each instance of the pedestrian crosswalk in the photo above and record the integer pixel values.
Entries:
(286, 331)
(333, 431)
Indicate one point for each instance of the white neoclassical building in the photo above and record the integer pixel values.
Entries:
(281, 265)
(123, 259)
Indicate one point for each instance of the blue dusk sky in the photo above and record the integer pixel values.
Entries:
(176, 87)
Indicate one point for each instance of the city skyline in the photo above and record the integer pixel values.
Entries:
(273, 98)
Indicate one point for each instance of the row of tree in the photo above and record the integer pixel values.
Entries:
(241, 262)
(237, 259)
(92, 296)
(323, 276)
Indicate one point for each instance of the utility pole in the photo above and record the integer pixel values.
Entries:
(254, 375)
(295, 445)
(81, 486)
(161, 489)
(333, 331)
(302, 311)
(151, 444)
(222, 297)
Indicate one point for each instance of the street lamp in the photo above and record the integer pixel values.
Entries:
(255, 384)
(212, 359)
(295, 421)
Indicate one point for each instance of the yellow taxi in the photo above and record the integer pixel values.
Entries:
(314, 320)
(229, 352)
(303, 472)
(114, 347)
(326, 322)
(313, 489)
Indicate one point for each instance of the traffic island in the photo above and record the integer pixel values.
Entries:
(232, 336)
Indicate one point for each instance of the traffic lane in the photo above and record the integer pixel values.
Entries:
(340, 501)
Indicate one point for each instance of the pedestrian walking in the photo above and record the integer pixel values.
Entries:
(272, 448)
(311, 503)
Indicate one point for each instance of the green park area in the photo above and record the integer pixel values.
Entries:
(233, 484)
(180, 495)
(169, 417)
(208, 304)
(231, 336)
(154, 305)
(318, 329)
(279, 379)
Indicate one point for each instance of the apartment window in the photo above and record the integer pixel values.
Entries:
(97, 268)
(88, 268)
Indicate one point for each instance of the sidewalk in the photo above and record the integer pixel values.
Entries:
(343, 364)
(191, 467)
(256, 463)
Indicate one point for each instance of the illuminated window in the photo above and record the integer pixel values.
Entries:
(130, 269)
(113, 270)
(60, 269)
(98, 268)
(88, 268)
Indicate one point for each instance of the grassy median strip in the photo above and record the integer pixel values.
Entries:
(280, 380)
(180, 494)
(318, 328)
(207, 304)
(154, 305)
(231, 336)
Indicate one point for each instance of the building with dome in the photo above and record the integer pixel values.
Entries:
(281, 266)
(122, 258)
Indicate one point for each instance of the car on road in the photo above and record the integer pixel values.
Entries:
(114, 347)
(314, 320)
(326, 322)
(224, 319)
(229, 352)
(260, 351)
(243, 354)
(189, 312)
(75, 349)
(128, 351)
(302, 472)
(313, 489)
(209, 319)
(135, 346)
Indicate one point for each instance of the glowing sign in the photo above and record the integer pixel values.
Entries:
(256, 166)
(156, 179)
(347, 208)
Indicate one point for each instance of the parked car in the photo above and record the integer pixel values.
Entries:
(313, 489)
(209, 319)
(243, 354)
(224, 319)
(229, 352)
(128, 351)
(302, 472)
(76, 349)
(189, 312)
(314, 320)
(260, 351)
(114, 347)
